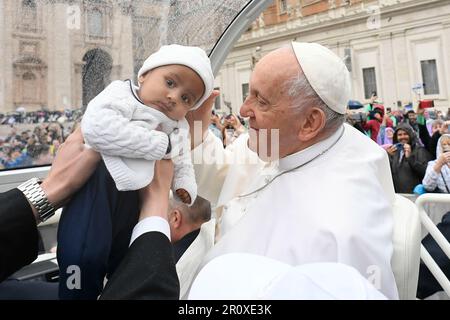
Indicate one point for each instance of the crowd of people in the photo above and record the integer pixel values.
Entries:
(40, 116)
(411, 140)
(227, 127)
(31, 145)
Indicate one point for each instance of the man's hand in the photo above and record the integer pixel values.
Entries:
(155, 197)
(71, 168)
(203, 114)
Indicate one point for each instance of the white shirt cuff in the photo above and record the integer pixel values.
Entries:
(150, 224)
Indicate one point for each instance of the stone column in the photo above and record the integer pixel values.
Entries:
(122, 32)
(59, 62)
(6, 42)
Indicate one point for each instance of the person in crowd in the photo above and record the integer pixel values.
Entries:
(411, 119)
(391, 116)
(408, 159)
(436, 125)
(185, 222)
(437, 175)
(131, 127)
(355, 119)
(16, 158)
(430, 142)
(192, 236)
(232, 128)
(376, 119)
(216, 125)
(385, 137)
(437, 179)
(41, 155)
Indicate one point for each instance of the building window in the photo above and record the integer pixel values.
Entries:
(30, 86)
(283, 6)
(217, 101)
(29, 15)
(370, 82)
(429, 77)
(244, 91)
(95, 23)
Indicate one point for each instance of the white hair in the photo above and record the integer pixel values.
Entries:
(303, 96)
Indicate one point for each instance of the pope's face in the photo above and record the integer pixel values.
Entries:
(273, 124)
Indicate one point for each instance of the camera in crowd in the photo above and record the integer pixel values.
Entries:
(399, 146)
(357, 116)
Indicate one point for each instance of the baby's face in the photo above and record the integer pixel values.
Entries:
(173, 89)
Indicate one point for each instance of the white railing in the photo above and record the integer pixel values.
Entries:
(437, 236)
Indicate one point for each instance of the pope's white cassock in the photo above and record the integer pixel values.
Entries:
(335, 208)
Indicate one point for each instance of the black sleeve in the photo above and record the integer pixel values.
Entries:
(147, 271)
(18, 233)
(424, 136)
(433, 144)
(419, 161)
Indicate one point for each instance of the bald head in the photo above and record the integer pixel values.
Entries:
(184, 219)
(198, 213)
(277, 66)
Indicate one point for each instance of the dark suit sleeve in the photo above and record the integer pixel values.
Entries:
(147, 271)
(18, 233)
(424, 136)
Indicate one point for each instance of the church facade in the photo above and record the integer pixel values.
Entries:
(60, 54)
(396, 48)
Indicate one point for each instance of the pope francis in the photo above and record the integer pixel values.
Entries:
(302, 187)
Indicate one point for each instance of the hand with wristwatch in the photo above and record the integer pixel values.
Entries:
(71, 168)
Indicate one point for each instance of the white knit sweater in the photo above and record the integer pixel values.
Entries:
(130, 136)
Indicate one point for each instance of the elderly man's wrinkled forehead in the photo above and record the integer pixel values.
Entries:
(278, 65)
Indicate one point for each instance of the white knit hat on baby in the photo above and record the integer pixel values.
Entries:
(192, 57)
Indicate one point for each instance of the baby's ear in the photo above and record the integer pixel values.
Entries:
(141, 78)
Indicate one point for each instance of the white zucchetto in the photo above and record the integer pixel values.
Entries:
(326, 73)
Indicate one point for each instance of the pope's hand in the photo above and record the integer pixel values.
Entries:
(203, 114)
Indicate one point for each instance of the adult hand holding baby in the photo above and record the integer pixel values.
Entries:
(71, 168)
(155, 197)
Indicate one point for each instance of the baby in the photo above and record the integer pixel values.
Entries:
(134, 126)
(131, 127)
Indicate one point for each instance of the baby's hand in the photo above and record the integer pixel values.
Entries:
(183, 195)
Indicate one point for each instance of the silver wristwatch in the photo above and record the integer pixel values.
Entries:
(37, 197)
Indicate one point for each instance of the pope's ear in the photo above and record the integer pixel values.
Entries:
(312, 123)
